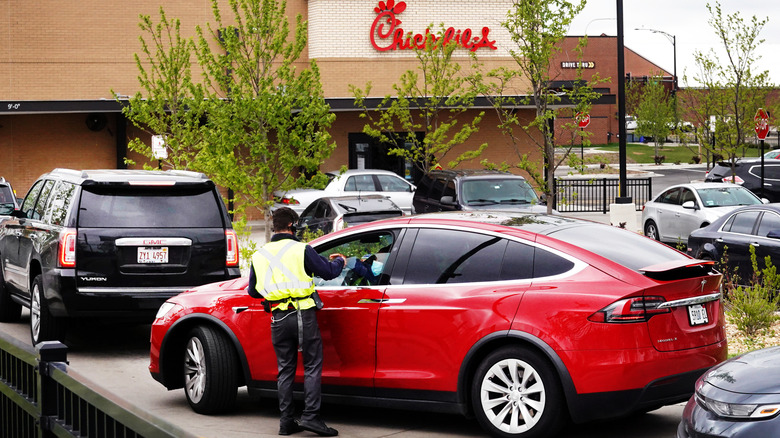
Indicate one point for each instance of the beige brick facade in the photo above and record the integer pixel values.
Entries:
(60, 61)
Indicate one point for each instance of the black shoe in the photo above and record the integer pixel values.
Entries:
(317, 426)
(289, 427)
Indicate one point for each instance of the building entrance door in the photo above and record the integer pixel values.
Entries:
(366, 152)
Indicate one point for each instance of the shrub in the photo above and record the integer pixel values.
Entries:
(753, 307)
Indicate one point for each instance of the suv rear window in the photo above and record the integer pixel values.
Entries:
(153, 207)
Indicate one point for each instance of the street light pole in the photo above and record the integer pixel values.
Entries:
(672, 39)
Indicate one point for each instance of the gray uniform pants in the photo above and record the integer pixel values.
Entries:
(284, 335)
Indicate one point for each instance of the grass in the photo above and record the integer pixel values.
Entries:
(645, 153)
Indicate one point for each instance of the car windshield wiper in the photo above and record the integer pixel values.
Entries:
(482, 201)
(514, 201)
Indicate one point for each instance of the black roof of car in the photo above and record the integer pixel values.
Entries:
(128, 176)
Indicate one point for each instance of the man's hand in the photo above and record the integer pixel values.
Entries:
(337, 255)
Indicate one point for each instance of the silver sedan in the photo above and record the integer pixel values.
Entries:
(682, 208)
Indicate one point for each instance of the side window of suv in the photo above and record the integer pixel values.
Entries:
(59, 204)
(40, 206)
(449, 256)
(32, 196)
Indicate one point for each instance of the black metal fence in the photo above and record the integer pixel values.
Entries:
(595, 194)
(41, 397)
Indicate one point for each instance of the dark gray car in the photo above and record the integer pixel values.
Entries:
(452, 190)
(335, 213)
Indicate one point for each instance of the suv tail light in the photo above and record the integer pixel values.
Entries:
(231, 243)
(636, 309)
(287, 201)
(67, 252)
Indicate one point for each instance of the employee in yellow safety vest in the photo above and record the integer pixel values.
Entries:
(282, 273)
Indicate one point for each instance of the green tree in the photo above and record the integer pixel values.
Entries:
(655, 113)
(731, 91)
(169, 105)
(432, 101)
(537, 28)
(267, 116)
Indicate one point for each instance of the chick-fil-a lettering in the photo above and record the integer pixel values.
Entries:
(385, 29)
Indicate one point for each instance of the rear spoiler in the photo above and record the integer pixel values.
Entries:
(678, 269)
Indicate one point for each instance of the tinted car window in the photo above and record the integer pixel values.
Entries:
(32, 196)
(449, 256)
(670, 197)
(160, 207)
(686, 196)
(518, 261)
(59, 203)
(547, 264)
(769, 222)
(743, 222)
(40, 206)
(623, 247)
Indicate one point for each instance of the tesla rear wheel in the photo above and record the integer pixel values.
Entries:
(210, 371)
(515, 394)
(651, 230)
(43, 325)
(10, 311)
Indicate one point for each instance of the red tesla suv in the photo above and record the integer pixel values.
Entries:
(524, 321)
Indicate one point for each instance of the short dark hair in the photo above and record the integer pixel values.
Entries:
(283, 218)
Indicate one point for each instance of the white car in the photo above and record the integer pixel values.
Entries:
(352, 182)
(682, 208)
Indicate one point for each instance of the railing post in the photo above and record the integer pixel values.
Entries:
(604, 198)
(50, 354)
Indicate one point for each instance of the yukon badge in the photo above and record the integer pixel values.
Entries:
(92, 279)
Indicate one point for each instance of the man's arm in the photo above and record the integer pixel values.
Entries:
(252, 288)
(318, 265)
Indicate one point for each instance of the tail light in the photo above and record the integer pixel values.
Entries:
(636, 309)
(231, 243)
(287, 201)
(67, 251)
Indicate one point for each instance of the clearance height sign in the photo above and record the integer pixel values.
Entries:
(391, 28)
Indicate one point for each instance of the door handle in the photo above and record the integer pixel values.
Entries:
(719, 240)
(382, 301)
(754, 244)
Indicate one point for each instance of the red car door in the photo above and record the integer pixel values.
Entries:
(446, 297)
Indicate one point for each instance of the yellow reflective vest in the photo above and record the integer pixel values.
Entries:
(281, 277)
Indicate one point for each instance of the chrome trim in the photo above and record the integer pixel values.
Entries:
(690, 301)
(125, 290)
(153, 241)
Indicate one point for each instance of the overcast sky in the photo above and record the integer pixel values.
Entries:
(688, 21)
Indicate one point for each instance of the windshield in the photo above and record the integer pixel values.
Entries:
(498, 191)
(727, 197)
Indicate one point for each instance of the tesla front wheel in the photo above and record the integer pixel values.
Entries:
(515, 394)
(210, 371)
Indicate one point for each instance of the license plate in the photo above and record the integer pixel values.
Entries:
(697, 314)
(153, 254)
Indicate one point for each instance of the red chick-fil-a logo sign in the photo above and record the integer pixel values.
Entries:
(387, 34)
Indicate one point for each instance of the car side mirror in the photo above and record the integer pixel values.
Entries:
(764, 201)
(447, 200)
(689, 204)
(773, 234)
(19, 214)
(543, 199)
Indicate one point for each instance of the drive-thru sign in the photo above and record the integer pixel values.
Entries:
(762, 124)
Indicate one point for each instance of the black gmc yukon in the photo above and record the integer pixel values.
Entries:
(111, 243)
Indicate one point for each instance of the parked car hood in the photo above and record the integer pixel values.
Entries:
(757, 372)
